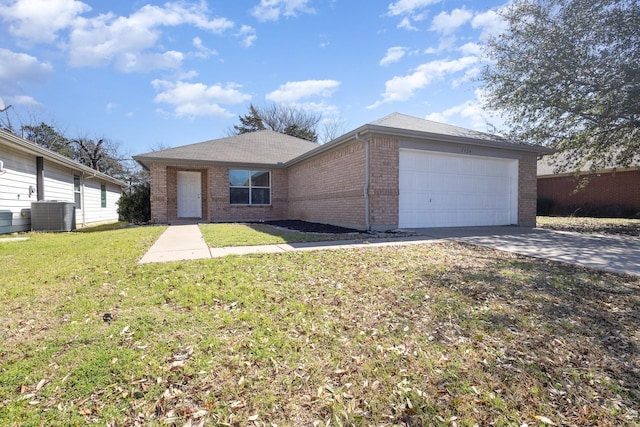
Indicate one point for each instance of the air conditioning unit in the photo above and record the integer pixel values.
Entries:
(53, 215)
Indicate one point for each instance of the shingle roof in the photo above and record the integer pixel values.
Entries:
(405, 122)
(272, 148)
(453, 133)
(260, 147)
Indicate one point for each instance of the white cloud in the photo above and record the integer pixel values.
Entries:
(402, 88)
(406, 24)
(18, 68)
(394, 54)
(40, 20)
(144, 62)
(270, 10)
(404, 7)
(203, 51)
(447, 23)
(292, 92)
(490, 23)
(105, 39)
(198, 99)
(248, 35)
(468, 114)
(24, 100)
(471, 49)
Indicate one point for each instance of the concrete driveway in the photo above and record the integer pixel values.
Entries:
(618, 254)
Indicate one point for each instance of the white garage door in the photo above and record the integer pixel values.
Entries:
(451, 190)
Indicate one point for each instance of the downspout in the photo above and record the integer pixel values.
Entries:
(84, 207)
(367, 162)
(40, 178)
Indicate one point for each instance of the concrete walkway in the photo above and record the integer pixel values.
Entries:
(618, 254)
(178, 243)
(185, 242)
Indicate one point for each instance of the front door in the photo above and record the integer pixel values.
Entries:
(189, 195)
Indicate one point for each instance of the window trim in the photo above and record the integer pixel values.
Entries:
(250, 187)
(103, 195)
(77, 191)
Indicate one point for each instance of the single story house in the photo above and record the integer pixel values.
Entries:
(30, 173)
(396, 172)
(609, 192)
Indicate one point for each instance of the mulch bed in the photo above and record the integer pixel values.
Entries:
(309, 227)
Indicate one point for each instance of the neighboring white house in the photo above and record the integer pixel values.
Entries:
(30, 173)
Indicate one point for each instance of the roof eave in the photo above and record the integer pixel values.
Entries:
(26, 146)
(145, 161)
(408, 133)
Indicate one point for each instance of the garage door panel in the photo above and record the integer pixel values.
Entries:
(449, 190)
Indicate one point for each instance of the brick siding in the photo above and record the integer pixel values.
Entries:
(619, 189)
(222, 211)
(527, 190)
(384, 182)
(329, 188)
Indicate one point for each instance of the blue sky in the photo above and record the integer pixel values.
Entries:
(148, 73)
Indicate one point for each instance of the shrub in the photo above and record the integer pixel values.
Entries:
(135, 207)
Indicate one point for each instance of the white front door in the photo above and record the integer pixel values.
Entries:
(455, 190)
(189, 195)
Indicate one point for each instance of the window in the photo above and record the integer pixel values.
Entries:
(77, 195)
(103, 195)
(249, 187)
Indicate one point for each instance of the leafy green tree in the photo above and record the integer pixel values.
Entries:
(250, 122)
(289, 120)
(48, 137)
(566, 73)
(135, 206)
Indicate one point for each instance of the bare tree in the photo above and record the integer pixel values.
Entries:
(331, 129)
(287, 119)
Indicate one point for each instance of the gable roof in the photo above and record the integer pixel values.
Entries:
(274, 149)
(402, 125)
(12, 140)
(414, 126)
(264, 147)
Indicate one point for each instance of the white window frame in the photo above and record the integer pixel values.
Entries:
(249, 187)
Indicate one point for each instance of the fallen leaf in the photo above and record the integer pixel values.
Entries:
(544, 420)
(253, 417)
(41, 384)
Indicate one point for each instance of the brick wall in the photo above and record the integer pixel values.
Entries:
(621, 189)
(222, 211)
(384, 182)
(329, 188)
(158, 173)
(527, 191)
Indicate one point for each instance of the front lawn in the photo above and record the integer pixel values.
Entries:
(439, 334)
(223, 235)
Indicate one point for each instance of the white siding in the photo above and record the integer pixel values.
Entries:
(93, 210)
(15, 200)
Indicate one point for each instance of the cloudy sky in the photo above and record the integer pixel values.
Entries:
(148, 73)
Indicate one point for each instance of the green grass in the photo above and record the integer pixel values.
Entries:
(223, 235)
(424, 335)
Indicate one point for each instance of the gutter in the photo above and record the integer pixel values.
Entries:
(367, 168)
